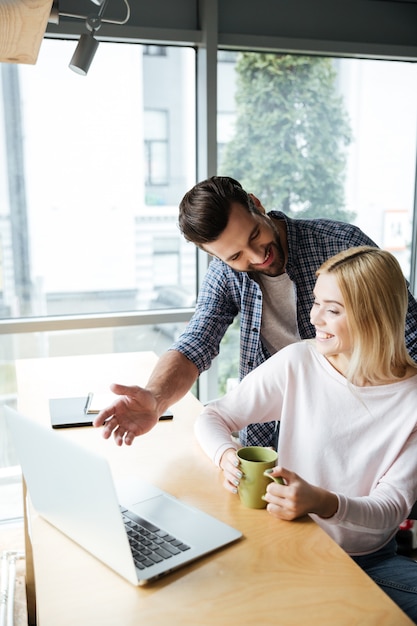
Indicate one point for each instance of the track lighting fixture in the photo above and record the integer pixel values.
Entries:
(88, 44)
(83, 54)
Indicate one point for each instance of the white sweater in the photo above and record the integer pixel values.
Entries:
(358, 442)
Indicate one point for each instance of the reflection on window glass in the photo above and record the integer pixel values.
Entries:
(321, 137)
(81, 207)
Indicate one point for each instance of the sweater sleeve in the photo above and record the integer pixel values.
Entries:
(258, 398)
(389, 502)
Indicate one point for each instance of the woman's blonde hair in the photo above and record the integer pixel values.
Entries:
(375, 297)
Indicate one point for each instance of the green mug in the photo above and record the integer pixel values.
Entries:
(254, 460)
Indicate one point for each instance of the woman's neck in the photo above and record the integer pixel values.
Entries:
(340, 363)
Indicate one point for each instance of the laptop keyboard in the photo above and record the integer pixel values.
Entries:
(149, 544)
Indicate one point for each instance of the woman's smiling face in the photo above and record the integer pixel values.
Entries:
(328, 316)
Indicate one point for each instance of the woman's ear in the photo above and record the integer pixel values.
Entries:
(257, 203)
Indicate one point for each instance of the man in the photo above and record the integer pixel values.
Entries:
(263, 268)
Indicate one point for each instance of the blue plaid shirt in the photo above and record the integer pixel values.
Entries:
(225, 292)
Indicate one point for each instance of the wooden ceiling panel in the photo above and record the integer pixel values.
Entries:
(22, 27)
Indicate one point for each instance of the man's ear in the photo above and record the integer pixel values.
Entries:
(257, 203)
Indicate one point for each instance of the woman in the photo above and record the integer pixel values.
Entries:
(346, 403)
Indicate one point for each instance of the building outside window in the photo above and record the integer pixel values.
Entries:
(156, 136)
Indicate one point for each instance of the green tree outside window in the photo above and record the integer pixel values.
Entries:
(289, 147)
(291, 134)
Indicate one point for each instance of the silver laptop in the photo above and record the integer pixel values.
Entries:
(139, 531)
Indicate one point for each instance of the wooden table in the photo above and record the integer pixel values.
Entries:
(279, 573)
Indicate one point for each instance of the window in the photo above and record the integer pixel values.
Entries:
(350, 121)
(78, 215)
(81, 230)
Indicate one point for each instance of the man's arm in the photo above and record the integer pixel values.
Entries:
(171, 378)
(139, 408)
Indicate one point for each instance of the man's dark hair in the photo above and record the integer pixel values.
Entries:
(204, 210)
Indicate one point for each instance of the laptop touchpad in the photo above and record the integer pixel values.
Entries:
(167, 513)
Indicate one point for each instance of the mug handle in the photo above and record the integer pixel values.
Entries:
(276, 479)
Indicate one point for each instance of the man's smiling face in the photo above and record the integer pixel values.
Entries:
(249, 243)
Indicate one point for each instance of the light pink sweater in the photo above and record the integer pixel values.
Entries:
(358, 442)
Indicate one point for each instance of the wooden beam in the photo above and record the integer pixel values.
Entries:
(22, 27)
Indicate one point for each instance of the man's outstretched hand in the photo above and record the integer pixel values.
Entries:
(129, 416)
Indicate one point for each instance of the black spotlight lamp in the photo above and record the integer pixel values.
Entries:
(87, 44)
(86, 47)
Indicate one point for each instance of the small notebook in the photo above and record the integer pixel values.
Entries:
(61, 487)
(75, 412)
(97, 401)
(69, 412)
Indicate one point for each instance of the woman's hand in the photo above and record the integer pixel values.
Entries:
(229, 463)
(296, 497)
